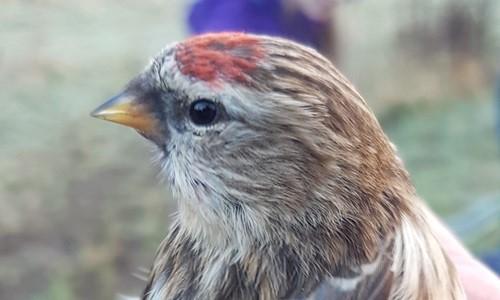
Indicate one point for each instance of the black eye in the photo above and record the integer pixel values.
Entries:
(203, 112)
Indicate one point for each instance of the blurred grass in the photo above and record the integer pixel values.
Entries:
(452, 154)
(81, 208)
(449, 148)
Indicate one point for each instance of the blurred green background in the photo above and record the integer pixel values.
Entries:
(81, 207)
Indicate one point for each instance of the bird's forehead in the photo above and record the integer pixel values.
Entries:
(211, 58)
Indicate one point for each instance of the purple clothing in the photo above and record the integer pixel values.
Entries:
(254, 16)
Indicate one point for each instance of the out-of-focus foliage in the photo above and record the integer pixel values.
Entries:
(81, 207)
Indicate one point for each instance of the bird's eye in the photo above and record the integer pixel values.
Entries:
(203, 112)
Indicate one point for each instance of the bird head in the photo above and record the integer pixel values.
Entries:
(261, 138)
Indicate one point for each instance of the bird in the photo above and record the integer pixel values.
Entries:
(286, 185)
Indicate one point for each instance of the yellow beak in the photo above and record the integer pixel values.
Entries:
(128, 110)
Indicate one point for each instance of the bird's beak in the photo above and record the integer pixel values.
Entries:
(129, 110)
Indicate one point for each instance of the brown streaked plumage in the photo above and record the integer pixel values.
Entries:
(287, 187)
